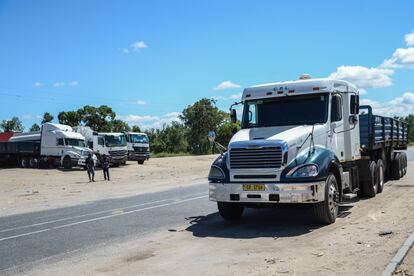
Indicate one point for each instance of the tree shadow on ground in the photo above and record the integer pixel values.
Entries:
(256, 223)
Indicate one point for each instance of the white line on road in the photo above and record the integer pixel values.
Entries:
(101, 218)
(90, 214)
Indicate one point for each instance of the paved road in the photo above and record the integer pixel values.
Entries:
(27, 238)
(31, 237)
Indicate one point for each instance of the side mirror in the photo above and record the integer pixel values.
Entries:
(354, 106)
(211, 136)
(233, 116)
(353, 119)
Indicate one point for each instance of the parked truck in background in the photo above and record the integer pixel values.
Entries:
(112, 144)
(138, 146)
(309, 142)
(54, 145)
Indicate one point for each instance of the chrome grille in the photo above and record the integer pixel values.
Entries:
(117, 152)
(140, 149)
(256, 158)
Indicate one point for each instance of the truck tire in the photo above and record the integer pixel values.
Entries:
(33, 162)
(403, 157)
(327, 210)
(141, 162)
(381, 175)
(24, 162)
(370, 185)
(67, 163)
(396, 167)
(230, 211)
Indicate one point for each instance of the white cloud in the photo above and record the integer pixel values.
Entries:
(148, 122)
(27, 117)
(362, 91)
(125, 51)
(59, 84)
(401, 58)
(409, 39)
(136, 46)
(364, 77)
(140, 102)
(231, 97)
(74, 83)
(399, 106)
(38, 84)
(227, 85)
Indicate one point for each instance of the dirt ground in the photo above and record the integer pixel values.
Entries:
(268, 242)
(23, 190)
(407, 266)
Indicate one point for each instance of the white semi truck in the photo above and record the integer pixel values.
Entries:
(306, 142)
(112, 144)
(138, 146)
(55, 144)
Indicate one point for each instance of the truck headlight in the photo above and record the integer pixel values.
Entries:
(216, 173)
(308, 170)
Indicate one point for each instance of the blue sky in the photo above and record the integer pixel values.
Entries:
(150, 59)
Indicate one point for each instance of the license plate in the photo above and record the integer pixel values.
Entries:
(254, 187)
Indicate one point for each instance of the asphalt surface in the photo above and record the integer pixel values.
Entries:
(30, 238)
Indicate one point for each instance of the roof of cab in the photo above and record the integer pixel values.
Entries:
(296, 87)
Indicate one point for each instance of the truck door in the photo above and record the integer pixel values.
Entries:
(336, 132)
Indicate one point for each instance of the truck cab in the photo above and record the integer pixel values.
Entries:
(112, 144)
(296, 138)
(138, 146)
(58, 143)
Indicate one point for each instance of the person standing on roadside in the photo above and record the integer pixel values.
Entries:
(105, 166)
(90, 168)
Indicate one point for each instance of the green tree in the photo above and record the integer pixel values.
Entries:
(119, 126)
(174, 137)
(47, 117)
(225, 131)
(97, 118)
(200, 118)
(14, 125)
(71, 118)
(34, 127)
(410, 121)
(136, 129)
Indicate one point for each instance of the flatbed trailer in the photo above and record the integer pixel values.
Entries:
(25, 154)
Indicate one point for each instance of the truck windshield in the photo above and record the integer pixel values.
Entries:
(115, 140)
(138, 138)
(289, 110)
(75, 142)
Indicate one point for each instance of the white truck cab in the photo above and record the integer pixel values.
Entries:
(138, 146)
(293, 136)
(112, 144)
(59, 142)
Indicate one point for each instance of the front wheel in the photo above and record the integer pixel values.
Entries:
(67, 163)
(327, 210)
(141, 162)
(230, 211)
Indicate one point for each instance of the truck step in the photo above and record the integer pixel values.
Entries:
(349, 196)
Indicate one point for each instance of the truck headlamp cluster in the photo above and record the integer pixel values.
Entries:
(308, 170)
(216, 173)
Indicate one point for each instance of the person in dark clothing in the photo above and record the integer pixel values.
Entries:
(90, 168)
(105, 166)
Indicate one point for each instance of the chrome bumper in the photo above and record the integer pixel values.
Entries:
(287, 193)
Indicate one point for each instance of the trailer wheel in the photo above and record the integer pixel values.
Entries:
(141, 162)
(396, 167)
(327, 210)
(67, 163)
(381, 175)
(403, 157)
(370, 185)
(33, 162)
(230, 211)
